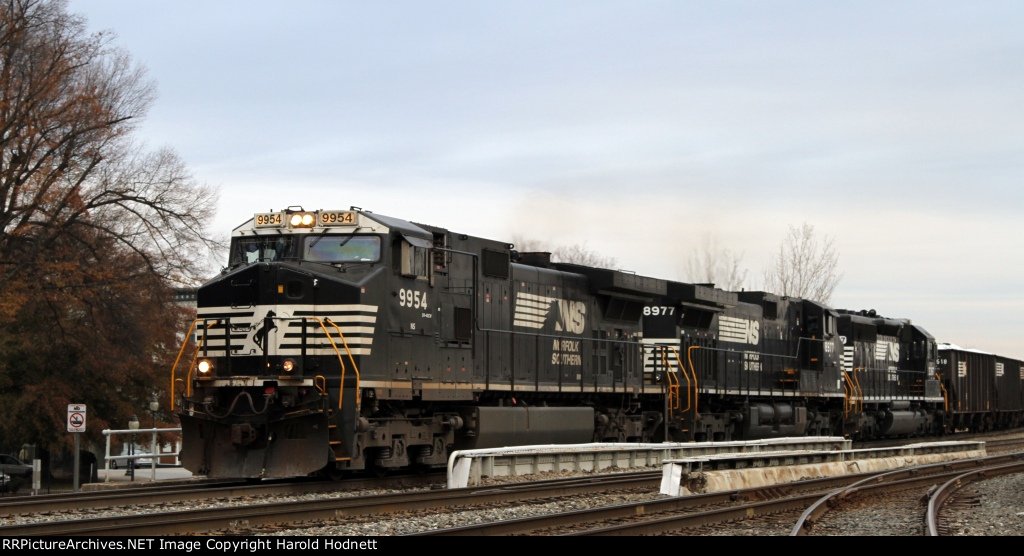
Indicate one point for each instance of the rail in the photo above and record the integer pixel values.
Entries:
(672, 385)
(181, 352)
(949, 488)
(945, 393)
(348, 351)
(689, 357)
(153, 455)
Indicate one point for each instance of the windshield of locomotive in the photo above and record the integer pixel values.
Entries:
(341, 249)
(262, 248)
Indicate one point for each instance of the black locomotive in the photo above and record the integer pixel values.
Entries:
(346, 340)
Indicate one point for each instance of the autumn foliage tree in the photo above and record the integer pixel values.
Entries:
(94, 229)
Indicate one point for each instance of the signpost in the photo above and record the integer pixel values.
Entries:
(76, 425)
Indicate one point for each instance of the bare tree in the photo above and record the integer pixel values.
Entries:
(573, 254)
(527, 245)
(68, 104)
(806, 266)
(710, 263)
(581, 255)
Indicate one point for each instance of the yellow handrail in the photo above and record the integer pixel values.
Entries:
(847, 394)
(355, 367)
(177, 359)
(679, 362)
(945, 394)
(341, 386)
(673, 382)
(859, 391)
(689, 357)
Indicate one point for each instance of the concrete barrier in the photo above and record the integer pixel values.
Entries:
(473, 467)
(720, 472)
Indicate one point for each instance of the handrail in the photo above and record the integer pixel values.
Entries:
(847, 395)
(673, 388)
(689, 357)
(679, 361)
(177, 359)
(341, 385)
(945, 393)
(859, 390)
(355, 367)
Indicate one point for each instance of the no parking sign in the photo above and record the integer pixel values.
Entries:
(76, 417)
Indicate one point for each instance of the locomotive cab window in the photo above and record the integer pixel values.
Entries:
(246, 250)
(414, 257)
(341, 249)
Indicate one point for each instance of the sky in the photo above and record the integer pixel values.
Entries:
(635, 128)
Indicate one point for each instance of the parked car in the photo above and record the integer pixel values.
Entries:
(143, 460)
(14, 467)
(10, 484)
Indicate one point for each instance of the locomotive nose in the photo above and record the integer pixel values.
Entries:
(271, 318)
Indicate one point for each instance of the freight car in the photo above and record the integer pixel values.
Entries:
(984, 390)
(342, 340)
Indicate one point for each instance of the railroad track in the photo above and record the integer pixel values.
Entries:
(914, 477)
(947, 493)
(668, 515)
(253, 517)
(247, 518)
(1003, 445)
(170, 494)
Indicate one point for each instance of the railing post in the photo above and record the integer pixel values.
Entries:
(152, 459)
(106, 458)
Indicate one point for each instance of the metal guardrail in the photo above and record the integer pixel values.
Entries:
(469, 467)
(153, 454)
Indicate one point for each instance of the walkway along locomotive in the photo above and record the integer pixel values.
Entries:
(345, 340)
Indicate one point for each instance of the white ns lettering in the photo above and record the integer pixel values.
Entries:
(572, 316)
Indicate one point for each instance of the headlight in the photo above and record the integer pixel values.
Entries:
(204, 366)
(302, 220)
(288, 365)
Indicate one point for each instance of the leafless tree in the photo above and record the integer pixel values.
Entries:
(574, 254)
(528, 245)
(580, 254)
(806, 266)
(710, 263)
(69, 102)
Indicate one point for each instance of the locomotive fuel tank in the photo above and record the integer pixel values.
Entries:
(517, 426)
(765, 420)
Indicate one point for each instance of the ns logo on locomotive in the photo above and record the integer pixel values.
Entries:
(342, 340)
